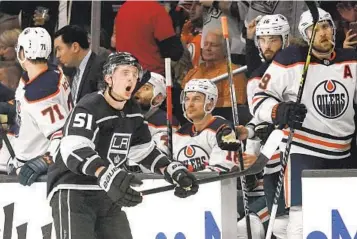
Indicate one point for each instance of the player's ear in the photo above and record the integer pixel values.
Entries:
(108, 80)
(76, 47)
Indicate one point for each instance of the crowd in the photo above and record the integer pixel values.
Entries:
(59, 124)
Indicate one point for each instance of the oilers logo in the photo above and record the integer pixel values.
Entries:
(193, 157)
(330, 99)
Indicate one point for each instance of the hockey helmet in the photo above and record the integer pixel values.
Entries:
(121, 58)
(204, 86)
(306, 21)
(35, 42)
(273, 25)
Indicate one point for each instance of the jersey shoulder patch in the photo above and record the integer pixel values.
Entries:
(291, 55)
(345, 54)
(259, 72)
(44, 86)
(186, 129)
(218, 122)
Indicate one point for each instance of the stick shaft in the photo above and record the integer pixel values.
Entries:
(169, 106)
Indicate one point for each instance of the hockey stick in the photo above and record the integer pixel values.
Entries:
(236, 122)
(7, 143)
(315, 15)
(169, 106)
(225, 75)
(266, 153)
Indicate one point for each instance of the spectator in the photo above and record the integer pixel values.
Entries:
(145, 30)
(215, 64)
(235, 12)
(291, 9)
(8, 40)
(72, 50)
(10, 74)
(192, 30)
(7, 21)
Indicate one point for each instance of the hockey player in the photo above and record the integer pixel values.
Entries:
(150, 96)
(86, 184)
(42, 103)
(195, 144)
(272, 35)
(323, 121)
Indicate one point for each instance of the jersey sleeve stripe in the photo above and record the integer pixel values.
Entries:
(320, 142)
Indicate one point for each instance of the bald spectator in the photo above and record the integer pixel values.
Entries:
(215, 64)
(8, 40)
(145, 30)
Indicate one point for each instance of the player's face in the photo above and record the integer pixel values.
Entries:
(212, 48)
(270, 45)
(123, 81)
(194, 105)
(324, 36)
(64, 53)
(145, 94)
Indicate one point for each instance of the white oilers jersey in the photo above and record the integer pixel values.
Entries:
(42, 106)
(199, 151)
(253, 145)
(329, 91)
(158, 128)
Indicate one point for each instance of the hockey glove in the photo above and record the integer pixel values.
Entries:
(263, 130)
(116, 182)
(226, 139)
(34, 168)
(289, 113)
(176, 173)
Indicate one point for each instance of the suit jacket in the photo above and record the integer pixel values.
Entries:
(92, 77)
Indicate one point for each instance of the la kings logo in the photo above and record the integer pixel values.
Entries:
(119, 148)
(330, 99)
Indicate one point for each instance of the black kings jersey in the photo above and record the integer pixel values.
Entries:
(95, 135)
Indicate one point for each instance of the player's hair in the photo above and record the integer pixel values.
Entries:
(73, 33)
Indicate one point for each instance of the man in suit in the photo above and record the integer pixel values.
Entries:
(72, 51)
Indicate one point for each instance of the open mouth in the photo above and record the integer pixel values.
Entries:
(128, 88)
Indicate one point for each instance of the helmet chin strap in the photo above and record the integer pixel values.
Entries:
(110, 93)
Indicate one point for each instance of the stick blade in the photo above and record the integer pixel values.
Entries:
(313, 10)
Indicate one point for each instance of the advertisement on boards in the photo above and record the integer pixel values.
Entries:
(26, 214)
(329, 208)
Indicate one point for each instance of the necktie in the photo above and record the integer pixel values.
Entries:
(75, 85)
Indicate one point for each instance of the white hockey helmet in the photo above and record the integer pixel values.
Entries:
(306, 21)
(35, 42)
(204, 86)
(273, 25)
(159, 86)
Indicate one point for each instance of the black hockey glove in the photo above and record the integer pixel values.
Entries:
(289, 113)
(176, 173)
(226, 139)
(34, 168)
(116, 182)
(263, 130)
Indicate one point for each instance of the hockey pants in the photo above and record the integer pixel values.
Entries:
(85, 214)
